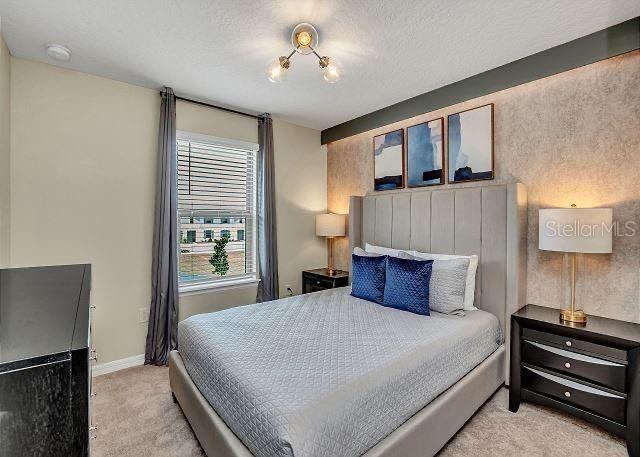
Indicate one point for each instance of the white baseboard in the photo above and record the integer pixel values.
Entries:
(116, 365)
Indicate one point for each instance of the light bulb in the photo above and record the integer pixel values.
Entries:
(331, 72)
(278, 70)
(304, 38)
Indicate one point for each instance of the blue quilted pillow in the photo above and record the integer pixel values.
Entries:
(407, 285)
(368, 277)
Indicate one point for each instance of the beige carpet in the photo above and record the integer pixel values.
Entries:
(137, 418)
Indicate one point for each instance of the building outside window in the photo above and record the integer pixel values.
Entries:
(216, 197)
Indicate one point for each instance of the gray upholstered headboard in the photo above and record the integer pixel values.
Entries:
(490, 221)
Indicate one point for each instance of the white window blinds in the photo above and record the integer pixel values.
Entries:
(216, 208)
(215, 179)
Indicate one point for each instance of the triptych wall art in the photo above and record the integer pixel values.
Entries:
(469, 147)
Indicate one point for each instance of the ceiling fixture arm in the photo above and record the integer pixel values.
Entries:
(323, 61)
(314, 51)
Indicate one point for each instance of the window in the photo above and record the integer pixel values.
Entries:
(216, 197)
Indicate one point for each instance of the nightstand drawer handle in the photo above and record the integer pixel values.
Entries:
(567, 394)
(568, 343)
(567, 365)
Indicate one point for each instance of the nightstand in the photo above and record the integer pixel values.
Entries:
(590, 371)
(318, 279)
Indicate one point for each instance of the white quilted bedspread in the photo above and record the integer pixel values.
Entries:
(327, 374)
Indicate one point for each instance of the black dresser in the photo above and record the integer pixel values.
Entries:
(591, 371)
(44, 361)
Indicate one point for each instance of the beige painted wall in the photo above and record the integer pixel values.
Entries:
(301, 193)
(5, 143)
(83, 152)
(572, 137)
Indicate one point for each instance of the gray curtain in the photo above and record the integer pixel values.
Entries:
(163, 316)
(267, 243)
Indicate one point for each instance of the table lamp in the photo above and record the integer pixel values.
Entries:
(330, 225)
(575, 230)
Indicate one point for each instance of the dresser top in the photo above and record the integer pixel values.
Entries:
(43, 310)
(596, 325)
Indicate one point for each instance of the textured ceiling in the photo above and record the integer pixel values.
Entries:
(391, 50)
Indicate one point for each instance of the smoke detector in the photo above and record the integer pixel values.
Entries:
(58, 52)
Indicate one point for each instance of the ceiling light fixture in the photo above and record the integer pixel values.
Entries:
(58, 52)
(304, 39)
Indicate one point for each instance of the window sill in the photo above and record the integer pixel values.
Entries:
(218, 285)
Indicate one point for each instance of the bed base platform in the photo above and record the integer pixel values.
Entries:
(423, 435)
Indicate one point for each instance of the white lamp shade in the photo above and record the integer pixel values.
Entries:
(583, 230)
(330, 225)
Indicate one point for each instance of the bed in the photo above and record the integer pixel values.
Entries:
(330, 374)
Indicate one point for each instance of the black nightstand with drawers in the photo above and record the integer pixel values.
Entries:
(318, 279)
(590, 371)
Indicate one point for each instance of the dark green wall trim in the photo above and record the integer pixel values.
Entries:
(613, 41)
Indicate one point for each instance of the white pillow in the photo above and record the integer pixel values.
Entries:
(470, 287)
(362, 253)
(385, 251)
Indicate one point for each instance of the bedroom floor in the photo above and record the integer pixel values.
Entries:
(136, 417)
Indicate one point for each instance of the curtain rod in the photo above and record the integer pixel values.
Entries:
(188, 100)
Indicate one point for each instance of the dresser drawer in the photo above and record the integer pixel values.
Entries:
(575, 345)
(598, 401)
(320, 282)
(610, 374)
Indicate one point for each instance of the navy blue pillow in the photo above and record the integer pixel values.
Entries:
(368, 277)
(407, 285)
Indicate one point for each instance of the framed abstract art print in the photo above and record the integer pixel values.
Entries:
(388, 160)
(425, 153)
(470, 144)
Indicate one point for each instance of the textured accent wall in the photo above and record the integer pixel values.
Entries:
(570, 138)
